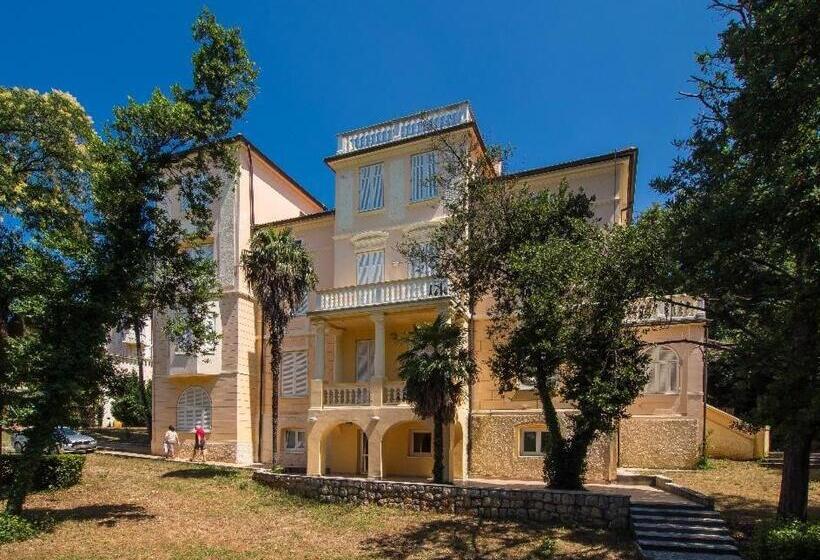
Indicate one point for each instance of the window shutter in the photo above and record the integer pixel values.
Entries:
(300, 382)
(370, 187)
(378, 198)
(364, 187)
(369, 267)
(423, 176)
(286, 374)
(365, 357)
(194, 405)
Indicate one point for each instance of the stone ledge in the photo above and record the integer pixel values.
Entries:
(565, 506)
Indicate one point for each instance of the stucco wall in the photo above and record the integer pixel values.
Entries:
(495, 452)
(660, 442)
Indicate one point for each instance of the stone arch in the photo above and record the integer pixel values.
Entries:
(336, 448)
(399, 459)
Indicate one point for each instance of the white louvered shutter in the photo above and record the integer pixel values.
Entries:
(294, 374)
(369, 267)
(194, 405)
(365, 359)
(371, 194)
(423, 176)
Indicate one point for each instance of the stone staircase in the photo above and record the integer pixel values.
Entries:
(681, 532)
(775, 460)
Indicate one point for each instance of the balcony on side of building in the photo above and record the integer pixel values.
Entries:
(408, 290)
(676, 308)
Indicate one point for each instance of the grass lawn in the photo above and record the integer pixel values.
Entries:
(133, 508)
(745, 492)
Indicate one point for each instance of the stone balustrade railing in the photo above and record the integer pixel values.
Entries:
(667, 309)
(397, 291)
(406, 127)
(346, 394)
(395, 393)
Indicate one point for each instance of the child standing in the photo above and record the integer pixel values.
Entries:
(171, 441)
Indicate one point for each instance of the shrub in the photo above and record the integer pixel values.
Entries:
(127, 406)
(15, 528)
(790, 540)
(55, 471)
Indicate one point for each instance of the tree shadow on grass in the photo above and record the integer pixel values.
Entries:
(744, 514)
(205, 471)
(477, 539)
(104, 514)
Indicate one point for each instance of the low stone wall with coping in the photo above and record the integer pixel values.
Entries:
(588, 509)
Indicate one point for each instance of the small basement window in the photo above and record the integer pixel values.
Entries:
(533, 442)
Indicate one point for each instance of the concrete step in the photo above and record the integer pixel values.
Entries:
(658, 505)
(680, 528)
(687, 546)
(674, 511)
(687, 537)
(677, 555)
(677, 519)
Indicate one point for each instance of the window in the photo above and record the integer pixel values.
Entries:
(302, 308)
(371, 193)
(294, 441)
(194, 405)
(370, 267)
(421, 443)
(365, 359)
(294, 374)
(533, 442)
(416, 268)
(663, 371)
(423, 176)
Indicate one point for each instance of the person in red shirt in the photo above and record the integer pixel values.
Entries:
(199, 442)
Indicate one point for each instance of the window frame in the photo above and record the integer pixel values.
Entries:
(541, 437)
(360, 255)
(655, 364)
(412, 451)
(296, 438)
(429, 185)
(206, 419)
(282, 389)
(380, 199)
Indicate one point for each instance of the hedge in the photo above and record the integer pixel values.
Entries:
(55, 471)
(790, 540)
(15, 528)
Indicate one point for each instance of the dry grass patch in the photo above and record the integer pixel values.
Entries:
(744, 491)
(139, 509)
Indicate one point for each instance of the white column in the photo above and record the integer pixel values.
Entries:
(319, 355)
(338, 365)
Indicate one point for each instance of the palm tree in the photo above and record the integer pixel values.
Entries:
(436, 368)
(280, 274)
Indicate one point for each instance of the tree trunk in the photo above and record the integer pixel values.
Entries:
(556, 446)
(794, 480)
(39, 437)
(138, 326)
(261, 387)
(275, 363)
(438, 451)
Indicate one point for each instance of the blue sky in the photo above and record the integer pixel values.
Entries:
(553, 80)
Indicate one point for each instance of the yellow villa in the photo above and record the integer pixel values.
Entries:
(341, 408)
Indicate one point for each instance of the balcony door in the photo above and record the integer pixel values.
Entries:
(365, 360)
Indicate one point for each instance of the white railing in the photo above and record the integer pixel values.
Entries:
(398, 291)
(667, 309)
(406, 127)
(352, 394)
(394, 393)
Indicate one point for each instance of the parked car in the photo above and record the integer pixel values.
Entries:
(65, 439)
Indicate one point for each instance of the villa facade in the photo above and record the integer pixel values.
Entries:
(341, 407)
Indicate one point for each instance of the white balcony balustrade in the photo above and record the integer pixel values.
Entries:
(676, 308)
(399, 291)
(407, 127)
(346, 394)
(395, 393)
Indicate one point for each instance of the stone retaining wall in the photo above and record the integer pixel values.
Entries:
(565, 506)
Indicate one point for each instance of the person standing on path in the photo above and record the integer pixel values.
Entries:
(199, 442)
(171, 440)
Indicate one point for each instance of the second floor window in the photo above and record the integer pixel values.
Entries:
(663, 371)
(294, 374)
(365, 359)
(370, 267)
(423, 176)
(419, 267)
(371, 193)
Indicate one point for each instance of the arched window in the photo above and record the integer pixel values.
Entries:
(663, 371)
(194, 405)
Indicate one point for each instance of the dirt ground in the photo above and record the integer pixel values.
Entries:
(141, 509)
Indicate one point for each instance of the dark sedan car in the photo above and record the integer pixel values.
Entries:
(67, 440)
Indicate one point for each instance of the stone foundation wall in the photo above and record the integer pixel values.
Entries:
(495, 452)
(565, 506)
(658, 442)
(221, 452)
